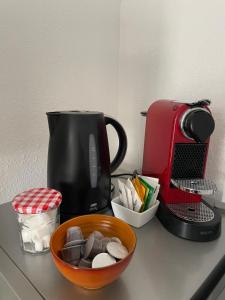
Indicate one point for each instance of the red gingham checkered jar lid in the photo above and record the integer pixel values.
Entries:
(36, 201)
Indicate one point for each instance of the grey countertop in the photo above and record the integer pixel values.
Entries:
(163, 266)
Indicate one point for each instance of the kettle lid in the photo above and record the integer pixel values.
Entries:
(74, 112)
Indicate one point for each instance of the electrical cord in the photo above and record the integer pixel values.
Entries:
(124, 174)
(121, 175)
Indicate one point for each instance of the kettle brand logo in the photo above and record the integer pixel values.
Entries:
(206, 232)
(93, 206)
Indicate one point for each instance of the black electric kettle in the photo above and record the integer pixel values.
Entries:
(79, 161)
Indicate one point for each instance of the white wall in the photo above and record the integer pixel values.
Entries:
(54, 55)
(58, 55)
(172, 50)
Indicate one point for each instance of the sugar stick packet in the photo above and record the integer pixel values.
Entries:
(128, 196)
(123, 194)
(137, 203)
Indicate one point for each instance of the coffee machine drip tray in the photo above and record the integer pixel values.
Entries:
(196, 212)
(195, 221)
(195, 186)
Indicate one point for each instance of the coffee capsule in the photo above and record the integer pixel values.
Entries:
(105, 241)
(85, 263)
(93, 247)
(74, 262)
(97, 234)
(74, 243)
(82, 249)
(74, 233)
(103, 260)
(117, 250)
(72, 253)
(116, 239)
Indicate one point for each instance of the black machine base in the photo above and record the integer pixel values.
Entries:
(203, 231)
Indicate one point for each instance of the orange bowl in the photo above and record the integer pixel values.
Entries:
(109, 226)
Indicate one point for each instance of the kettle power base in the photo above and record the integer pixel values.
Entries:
(105, 211)
(193, 221)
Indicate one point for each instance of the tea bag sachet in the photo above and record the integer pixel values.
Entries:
(140, 193)
(140, 188)
(153, 190)
(148, 195)
(154, 182)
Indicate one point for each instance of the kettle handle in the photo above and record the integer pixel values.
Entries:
(122, 143)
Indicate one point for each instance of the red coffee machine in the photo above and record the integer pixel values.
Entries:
(175, 150)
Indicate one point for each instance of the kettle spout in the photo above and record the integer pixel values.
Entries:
(52, 120)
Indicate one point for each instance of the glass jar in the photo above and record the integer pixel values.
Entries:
(37, 215)
(36, 230)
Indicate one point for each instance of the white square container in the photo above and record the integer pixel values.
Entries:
(133, 218)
